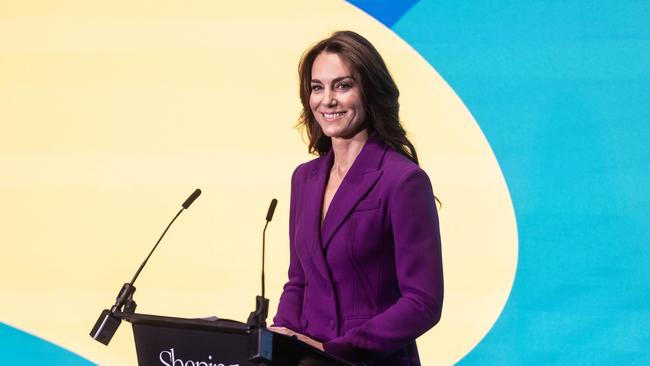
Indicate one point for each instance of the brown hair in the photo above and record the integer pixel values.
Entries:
(378, 92)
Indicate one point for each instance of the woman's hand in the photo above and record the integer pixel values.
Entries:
(301, 337)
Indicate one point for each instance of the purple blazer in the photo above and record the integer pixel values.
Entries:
(369, 281)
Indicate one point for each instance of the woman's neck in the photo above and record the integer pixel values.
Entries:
(346, 150)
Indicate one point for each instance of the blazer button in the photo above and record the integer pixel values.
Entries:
(332, 324)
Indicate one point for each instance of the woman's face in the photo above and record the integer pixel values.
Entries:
(335, 98)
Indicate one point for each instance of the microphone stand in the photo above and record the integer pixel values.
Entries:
(257, 318)
(109, 320)
(261, 338)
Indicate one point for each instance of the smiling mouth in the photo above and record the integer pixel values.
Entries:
(331, 116)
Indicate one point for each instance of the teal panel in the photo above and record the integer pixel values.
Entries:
(560, 90)
(20, 348)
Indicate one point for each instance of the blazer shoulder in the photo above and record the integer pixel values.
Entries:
(398, 166)
(306, 169)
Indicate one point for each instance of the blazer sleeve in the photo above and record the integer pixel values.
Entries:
(290, 304)
(418, 262)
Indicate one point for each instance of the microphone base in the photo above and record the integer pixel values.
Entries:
(257, 318)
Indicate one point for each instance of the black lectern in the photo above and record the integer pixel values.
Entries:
(166, 341)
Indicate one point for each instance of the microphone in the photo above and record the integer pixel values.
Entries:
(269, 217)
(257, 318)
(191, 198)
(271, 211)
(108, 321)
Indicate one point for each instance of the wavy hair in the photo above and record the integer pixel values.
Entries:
(378, 92)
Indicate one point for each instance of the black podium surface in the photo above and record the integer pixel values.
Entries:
(167, 341)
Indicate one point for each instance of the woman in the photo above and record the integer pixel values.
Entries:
(365, 272)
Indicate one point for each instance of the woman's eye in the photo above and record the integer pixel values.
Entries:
(344, 86)
(316, 87)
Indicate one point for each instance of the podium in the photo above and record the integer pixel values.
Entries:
(168, 341)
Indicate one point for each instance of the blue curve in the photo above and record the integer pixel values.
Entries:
(386, 11)
(561, 90)
(20, 348)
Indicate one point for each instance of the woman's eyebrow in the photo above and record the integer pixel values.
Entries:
(336, 80)
(343, 78)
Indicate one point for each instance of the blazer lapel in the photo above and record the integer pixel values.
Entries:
(313, 201)
(361, 177)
